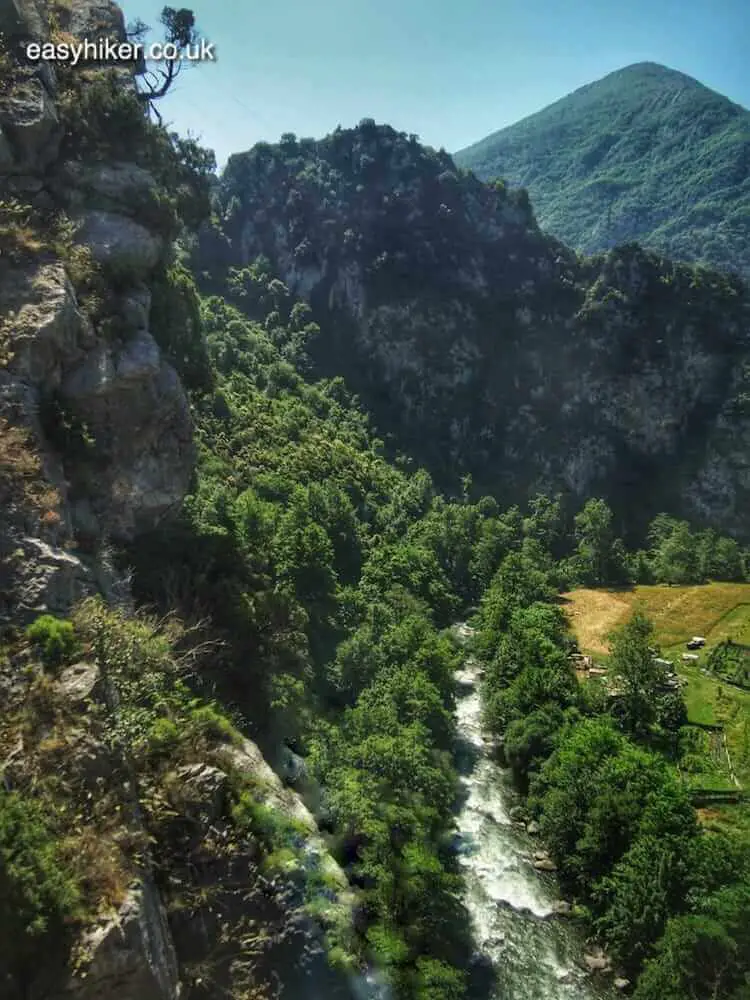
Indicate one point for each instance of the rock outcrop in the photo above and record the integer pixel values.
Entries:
(104, 412)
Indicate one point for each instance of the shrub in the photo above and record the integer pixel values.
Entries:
(207, 721)
(55, 639)
(38, 895)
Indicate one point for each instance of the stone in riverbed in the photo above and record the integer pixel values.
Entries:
(545, 865)
(597, 962)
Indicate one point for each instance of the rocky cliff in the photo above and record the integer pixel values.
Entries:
(484, 346)
(102, 411)
(96, 447)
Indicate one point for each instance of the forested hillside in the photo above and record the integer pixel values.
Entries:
(482, 346)
(645, 154)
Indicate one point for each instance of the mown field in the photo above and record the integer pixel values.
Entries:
(716, 611)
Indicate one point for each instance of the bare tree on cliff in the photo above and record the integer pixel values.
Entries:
(179, 33)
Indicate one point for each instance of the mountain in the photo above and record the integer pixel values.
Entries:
(480, 344)
(646, 154)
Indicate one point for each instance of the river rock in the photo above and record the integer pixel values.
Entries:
(517, 813)
(621, 984)
(562, 908)
(545, 865)
(532, 828)
(597, 962)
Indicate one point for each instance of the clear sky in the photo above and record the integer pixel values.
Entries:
(450, 70)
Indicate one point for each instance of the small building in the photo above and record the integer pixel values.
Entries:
(690, 657)
(697, 642)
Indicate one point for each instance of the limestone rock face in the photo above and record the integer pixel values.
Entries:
(22, 17)
(120, 244)
(132, 460)
(138, 416)
(30, 125)
(131, 954)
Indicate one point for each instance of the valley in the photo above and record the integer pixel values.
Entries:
(267, 433)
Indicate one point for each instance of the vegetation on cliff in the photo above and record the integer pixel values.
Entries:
(480, 345)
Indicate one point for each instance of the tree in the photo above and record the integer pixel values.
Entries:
(179, 33)
(647, 886)
(633, 664)
(600, 557)
(544, 521)
(529, 741)
(676, 559)
(693, 959)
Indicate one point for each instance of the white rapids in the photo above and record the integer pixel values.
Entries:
(535, 955)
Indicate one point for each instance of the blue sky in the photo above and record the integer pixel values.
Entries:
(450, 70)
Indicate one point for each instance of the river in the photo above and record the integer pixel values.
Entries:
(535, 954)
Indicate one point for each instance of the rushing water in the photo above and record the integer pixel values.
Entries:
(535, 954)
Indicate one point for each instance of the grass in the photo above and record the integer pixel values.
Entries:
(717, 611)
(22, 478)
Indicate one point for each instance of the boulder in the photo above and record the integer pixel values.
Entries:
(138, 416)
(562, 908)
(22, 18)
(597, 962)
(121, 187)
(93, 19)
(291, 766)
(49, 332)
(31, 125)
(81, 683)
(545, 865)
(52, 580)
(532, 828)
(621, 984)
(120, 244)
(201, 791)
(93, 762)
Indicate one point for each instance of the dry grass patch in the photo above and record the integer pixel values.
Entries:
(594, 614)
(21, 474)
(677, 613)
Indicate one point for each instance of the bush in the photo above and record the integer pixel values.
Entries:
(275, 831)
(207, 721)
(38, 896)
(55, 639)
